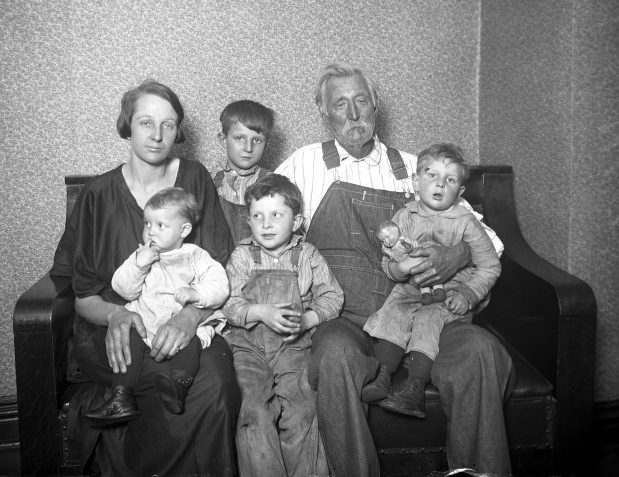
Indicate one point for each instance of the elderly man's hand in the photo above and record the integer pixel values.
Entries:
(440, 264)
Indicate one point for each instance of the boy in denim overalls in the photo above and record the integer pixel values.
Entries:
(281, 289)
(245, 129)
(406, 323)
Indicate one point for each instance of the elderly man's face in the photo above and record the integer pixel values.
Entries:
(350, 111)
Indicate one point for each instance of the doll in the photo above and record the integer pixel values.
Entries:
(397, 247)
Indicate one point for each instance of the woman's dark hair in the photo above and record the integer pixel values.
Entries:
(127, 107)
(272, 184)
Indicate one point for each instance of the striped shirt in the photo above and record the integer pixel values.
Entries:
(318, 287)
(233, 184)
(306, 168)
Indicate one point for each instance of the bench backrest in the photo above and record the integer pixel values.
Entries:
(474, 193)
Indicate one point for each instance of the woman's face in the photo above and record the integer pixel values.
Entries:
(153, 129)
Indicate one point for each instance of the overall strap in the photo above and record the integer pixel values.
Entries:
(397, 164)
(295, 253)
(255, 254)
(330, 154)
(219, 179)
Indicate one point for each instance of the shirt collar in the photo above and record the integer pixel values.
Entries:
(294, 241)
(241, 173)
(373, 158)
(453, 212)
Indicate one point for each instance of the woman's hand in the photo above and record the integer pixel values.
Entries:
(177, 332)
(117, 342)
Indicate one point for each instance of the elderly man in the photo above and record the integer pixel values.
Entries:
(349, 185)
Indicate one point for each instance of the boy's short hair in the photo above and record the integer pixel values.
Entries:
(250, 114)
(447, 153)
(176, 197)
(272, 184)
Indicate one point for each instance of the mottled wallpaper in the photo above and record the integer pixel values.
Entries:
(65, 64)
(549, 105)
(532, 84)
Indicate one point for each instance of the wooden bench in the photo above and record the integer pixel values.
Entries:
(544, 316)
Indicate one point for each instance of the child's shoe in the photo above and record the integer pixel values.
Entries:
(173, 391)
(438, 295)
(409, 400)
(426, 298)
(378, 388)
(121, 407)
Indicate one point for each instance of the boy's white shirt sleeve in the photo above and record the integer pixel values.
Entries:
(212, 284)
(128, 279)
(496, 241)
(211, 281)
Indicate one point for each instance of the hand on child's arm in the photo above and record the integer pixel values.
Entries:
(146, 256)
(309, 320)
(457, 304)
(403, 267)
(439, 263)
(280, 318)
(186, 296)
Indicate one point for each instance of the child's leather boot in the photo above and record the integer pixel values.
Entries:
(173, 391)
(378, 388)
(410, 400)
(120, 407)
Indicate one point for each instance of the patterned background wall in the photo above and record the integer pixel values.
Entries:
(65, 64)
(549, 104)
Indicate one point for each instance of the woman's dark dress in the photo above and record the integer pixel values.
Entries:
(104, 229)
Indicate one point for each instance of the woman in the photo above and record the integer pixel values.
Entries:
(105, 228)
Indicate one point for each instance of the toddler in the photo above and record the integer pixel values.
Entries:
(404, 324)
(159, 279)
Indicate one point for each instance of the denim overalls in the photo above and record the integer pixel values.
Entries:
(471, 370)
(277, 429)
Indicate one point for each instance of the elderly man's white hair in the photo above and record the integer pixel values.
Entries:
(343, 70)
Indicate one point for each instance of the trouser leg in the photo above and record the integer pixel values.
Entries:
(340, 365)
(471, 372)
(200, 441)
(301, 444)
(257, 438)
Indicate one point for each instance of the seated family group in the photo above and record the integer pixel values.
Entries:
(266, 367)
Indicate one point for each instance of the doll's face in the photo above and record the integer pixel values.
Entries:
(387, 236)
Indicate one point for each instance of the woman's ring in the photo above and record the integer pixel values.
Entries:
(176, 349)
